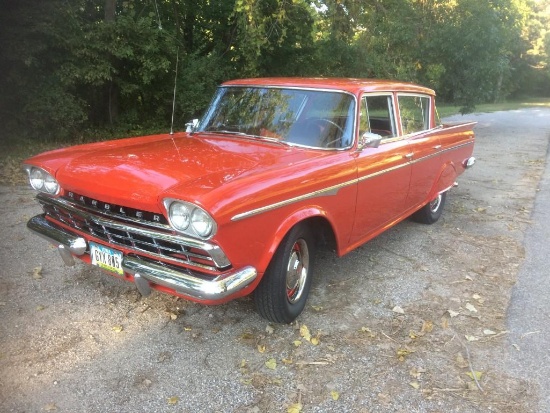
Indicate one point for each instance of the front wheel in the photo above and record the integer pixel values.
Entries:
(431, 212)
(282, 294)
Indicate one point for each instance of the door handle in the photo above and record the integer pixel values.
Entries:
(409, 155)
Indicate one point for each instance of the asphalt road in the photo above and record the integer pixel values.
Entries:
(528, 316)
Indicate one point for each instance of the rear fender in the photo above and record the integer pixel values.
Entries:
(445, 181)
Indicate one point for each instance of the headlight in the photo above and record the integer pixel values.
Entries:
(201, 222)
(42, 181)
(180, 216)
(189, 218)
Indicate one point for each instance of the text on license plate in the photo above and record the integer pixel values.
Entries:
(106, 258)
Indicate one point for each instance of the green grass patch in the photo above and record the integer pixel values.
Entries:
(450, 110)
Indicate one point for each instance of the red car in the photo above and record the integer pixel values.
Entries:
(238, 204)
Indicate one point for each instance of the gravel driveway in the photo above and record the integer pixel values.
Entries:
(402, 324)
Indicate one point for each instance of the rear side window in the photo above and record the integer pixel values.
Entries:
(377, 115)
(415, 113)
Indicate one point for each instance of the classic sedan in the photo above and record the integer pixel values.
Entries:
(238, 203)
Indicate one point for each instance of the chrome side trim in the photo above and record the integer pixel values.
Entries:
(188, 284)
(333, 190)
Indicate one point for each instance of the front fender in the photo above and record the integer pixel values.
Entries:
(286, 225)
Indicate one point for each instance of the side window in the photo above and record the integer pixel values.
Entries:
(377, 115)
(415, 113)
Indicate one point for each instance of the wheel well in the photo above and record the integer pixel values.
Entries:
(323, 232)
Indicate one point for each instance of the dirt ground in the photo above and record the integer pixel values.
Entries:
(414, 321)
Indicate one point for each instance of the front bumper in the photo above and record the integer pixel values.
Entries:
(184, 282)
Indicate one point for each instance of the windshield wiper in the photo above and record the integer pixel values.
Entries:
(248, 135)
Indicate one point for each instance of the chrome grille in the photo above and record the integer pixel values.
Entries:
(153, 242)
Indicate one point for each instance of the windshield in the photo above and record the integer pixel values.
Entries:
(318, 119)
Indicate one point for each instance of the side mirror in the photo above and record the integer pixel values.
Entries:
(191, 126)
(369, 140)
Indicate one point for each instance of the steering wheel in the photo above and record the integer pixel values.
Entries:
(326, 143)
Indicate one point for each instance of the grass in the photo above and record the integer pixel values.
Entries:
(15, 151)
(449, 110)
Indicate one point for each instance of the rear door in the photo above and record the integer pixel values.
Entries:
(416, 125)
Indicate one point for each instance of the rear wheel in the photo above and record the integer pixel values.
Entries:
(431, 212)
(282, 294)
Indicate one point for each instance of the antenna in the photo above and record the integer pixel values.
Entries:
(175, 84)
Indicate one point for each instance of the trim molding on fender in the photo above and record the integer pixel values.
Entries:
(333, 190)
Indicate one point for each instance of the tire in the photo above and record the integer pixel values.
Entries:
(431, 212)
(282, 293)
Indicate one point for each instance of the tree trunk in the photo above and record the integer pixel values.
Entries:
(112, 91)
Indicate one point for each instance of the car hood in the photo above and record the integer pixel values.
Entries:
(139, 171)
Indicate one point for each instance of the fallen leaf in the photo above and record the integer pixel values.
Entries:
(297, 343)
(287, 361)
(516, 347)
(315, 341)
(414, 385)
(413, 335)
(398, 310)
(271, 364)
(173, 400)
(471, 338)
(416, 372)
(427, 326)
(40, 307)
(335, 395)
(476, 297)
(461, 361)
(243, 363)
(488, 332)
(317, 308)
(304, 332)
(471, 307)
(477, 376)
(37, 272)
(261, 348)
(295, 408)
(50, 407)
(452, 313)
(368, 331)
(403, 352)
(444, 322)
(247, 336)
(118, 328)
(269, 329)
(173, 316)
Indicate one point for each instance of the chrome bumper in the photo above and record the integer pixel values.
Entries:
(182, 282)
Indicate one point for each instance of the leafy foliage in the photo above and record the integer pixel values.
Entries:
(70, 66)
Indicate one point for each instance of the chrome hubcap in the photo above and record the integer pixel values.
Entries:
(296, 272)
(434, 205)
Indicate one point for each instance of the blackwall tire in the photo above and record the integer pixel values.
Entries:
(282, 294)
(431, 212)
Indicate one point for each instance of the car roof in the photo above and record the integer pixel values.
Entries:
(351, 85)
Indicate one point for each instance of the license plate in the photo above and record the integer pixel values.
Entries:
(106, 258)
